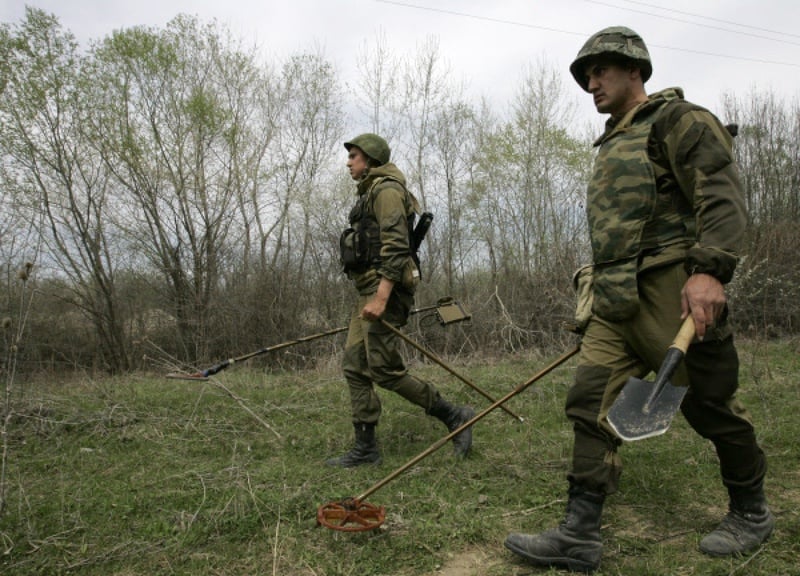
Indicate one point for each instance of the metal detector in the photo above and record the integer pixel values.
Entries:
(356, 515)
(204, 374)
(440, 362)
(447, 310)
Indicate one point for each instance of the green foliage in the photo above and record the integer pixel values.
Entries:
(190, 193)
(141, 475)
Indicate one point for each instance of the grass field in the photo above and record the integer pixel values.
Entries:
(142, 476)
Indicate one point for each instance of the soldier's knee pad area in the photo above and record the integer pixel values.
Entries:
(388, 375)
(391, 384)
(586, 394)
(354, 360)
(713, 369)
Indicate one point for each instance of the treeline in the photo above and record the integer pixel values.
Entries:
(177, 198)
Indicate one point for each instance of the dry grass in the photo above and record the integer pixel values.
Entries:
(142, 475)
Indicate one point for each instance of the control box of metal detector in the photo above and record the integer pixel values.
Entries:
(450, 311)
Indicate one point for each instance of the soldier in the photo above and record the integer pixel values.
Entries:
(666, 217)
(377, 256)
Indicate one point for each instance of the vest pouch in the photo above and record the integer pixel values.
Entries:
(353, 251)
(615, 290)
(410, 279)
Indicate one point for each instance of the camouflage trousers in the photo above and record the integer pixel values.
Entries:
(372, 357)
(611, 352)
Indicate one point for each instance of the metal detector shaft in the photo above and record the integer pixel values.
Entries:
(222, 365)
(440, 362)
(555, 364)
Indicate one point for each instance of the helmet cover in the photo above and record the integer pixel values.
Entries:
(617, 43)
(372, 145)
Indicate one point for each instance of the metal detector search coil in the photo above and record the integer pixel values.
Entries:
(356, 515)
(350, 515)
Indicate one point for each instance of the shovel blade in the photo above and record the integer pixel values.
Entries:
(635, 416)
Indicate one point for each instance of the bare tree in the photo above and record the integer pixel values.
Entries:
(376, 90)
(766, 150)
(307, 143)
(767, 154)
(527, 203)
(426, 89)
(181, 188)
(172, 127)
(456, 154)
(55, 173)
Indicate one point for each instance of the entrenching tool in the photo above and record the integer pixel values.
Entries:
(644, 409)
(356, 515)
(440, 362)
(447, 310)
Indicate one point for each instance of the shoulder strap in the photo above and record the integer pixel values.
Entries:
(370, 194)
(674, 110)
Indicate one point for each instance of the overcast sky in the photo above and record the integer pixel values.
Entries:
(705, 46)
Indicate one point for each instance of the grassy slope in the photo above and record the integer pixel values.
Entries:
(150, 476)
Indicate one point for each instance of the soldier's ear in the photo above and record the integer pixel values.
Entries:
(635, 72)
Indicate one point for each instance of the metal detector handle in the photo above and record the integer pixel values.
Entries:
(204, 374)
(222, 365)
(217, 368)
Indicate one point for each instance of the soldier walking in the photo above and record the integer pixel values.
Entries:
(666, 217)
(377, 256)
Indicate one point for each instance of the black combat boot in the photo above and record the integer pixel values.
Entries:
(745, 527)
(454, 417)
(365, 450)
(575, 544)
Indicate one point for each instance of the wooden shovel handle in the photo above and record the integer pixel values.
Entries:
(685, 335)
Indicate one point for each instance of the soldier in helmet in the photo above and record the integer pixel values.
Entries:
(666, 217)
(377, 256)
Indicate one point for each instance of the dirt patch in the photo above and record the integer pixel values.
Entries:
(473, 562)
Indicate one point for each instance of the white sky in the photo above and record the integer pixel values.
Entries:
(705, 46)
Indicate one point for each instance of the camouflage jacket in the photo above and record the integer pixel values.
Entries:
(384, 199)
(665, 189)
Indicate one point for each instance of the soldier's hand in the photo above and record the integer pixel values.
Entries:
(376, 306)
(703, 296)
(373, 310)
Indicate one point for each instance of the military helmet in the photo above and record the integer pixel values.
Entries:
(372, 145)
(616, 42)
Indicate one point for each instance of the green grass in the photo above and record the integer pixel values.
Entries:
(143, 475)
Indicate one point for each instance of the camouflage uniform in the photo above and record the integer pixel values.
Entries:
(374, 248)
(664, 202)
(371, 353)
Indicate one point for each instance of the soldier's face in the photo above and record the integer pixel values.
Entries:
(612, 87)
(356, 163)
